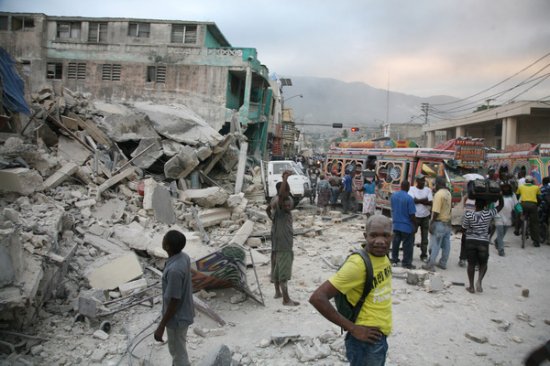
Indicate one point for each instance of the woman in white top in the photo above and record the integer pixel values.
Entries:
(504, 218)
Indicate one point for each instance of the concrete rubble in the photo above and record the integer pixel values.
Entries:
(85, 203)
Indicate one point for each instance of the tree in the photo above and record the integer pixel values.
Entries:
(345, 134)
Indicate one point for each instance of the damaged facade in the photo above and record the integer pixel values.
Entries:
(161, 61)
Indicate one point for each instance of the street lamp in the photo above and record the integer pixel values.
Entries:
(283, 99)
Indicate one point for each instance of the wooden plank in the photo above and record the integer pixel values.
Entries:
(90, 127)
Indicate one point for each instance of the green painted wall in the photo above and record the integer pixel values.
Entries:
(210, 41)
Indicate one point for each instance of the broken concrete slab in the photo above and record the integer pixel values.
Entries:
(114, 180)
(243, 233)
(180, 123)
(241, 166)
(220, 357)
(171, 148)
(162, 206)
(214, 216)
(203, 153)
(149, 186)
(230, 158)
(133, 235)
(115, 272)
(71, 150)
(181, 164)
(129, 288)
(61, 175)
(149, 157)
(122, 123)
(206, 197)
(109, 211)
(102, 244)
(20, 180)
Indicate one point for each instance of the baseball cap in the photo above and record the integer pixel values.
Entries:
(529, 178)
(420, 176)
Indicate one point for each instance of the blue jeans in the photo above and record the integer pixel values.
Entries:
(440, 239)
(501, 232)
(408, 246)
(366, 354)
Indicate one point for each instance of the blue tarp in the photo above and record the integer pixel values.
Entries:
(13, 86)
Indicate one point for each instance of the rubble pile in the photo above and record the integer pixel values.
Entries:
(87, 194)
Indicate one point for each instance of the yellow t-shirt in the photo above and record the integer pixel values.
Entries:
(528, 192)
(442, 205)
(350, 280)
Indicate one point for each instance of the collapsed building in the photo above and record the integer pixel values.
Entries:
(125, 129)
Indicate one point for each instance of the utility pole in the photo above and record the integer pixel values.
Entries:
(425, 107)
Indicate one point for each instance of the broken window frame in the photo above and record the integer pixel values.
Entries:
(22, 23)
(184, 33)
(111, 72)
(139, 30)
(76, 71)
(73, 32)
(54, 70)
(156, 74)
(97, 32)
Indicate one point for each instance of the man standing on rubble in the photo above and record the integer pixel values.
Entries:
(177, 298)
(282, 240)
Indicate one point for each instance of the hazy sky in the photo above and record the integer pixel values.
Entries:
(419, 47)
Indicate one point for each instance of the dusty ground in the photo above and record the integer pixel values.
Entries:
(429, 328)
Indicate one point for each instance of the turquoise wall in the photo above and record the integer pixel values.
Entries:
(210, 41)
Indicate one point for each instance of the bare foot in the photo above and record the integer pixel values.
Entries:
(291, 303)
(470, 289)
(478, 287)
(277, 296)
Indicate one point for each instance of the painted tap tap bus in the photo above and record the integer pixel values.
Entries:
(392, 166)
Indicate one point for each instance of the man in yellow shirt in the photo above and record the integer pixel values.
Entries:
(440, 226)
(366, 338)
(529, 196)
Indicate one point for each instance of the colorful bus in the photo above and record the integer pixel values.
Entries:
(394, 165)
(528, 159)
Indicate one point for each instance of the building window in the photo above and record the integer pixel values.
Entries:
(76, 71)
(54, 70)
(186, 34)
(156, 74)
(4, 22)
(139, 30)
(22, 23)
(110, 72)
(67, 30)
(97, 33)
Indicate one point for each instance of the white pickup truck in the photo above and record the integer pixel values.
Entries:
(272, 174)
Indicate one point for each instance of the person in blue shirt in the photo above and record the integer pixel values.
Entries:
(404, 225)
(347, 190)
(369, 196)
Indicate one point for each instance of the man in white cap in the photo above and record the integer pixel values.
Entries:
(423, 198)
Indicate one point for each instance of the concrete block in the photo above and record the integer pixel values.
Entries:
(254, 242)
(182, 164)
(206, 197)
(102, 244)
(243, 233)
(60, 176)
(85, 203)
(116, 272)
(149, 157)
(203, 153)
(71, 150)
(20, 180)
(213, 216)
(162, 206)
(148, 189)
(235, 200)
(129, 287)
(221, 356)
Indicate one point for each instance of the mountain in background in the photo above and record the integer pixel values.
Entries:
(327, 101)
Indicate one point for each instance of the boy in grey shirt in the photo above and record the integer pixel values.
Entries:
(177, 298)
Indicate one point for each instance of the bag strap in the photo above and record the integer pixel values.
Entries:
(369, 276)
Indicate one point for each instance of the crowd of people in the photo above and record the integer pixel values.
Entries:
(413, 209)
